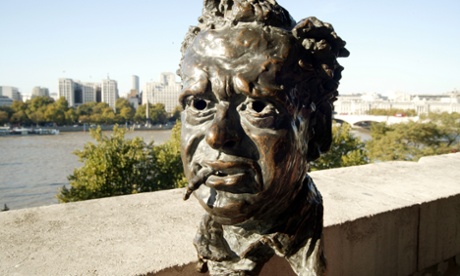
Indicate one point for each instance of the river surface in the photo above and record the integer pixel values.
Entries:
(34, 167)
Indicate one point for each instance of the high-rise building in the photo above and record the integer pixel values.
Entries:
(166, 91)
(90, 92)
(109, 92)
(135, 83)
(10, 92)
(38, 91)
(67, 90)
(77, 93)
(134, 93)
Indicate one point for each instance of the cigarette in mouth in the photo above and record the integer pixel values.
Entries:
(196, 181)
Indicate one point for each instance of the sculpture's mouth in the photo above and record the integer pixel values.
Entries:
(234, 177)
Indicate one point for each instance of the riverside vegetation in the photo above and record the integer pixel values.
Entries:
(42, 111)
(116, 166)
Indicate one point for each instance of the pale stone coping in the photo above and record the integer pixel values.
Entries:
(402, 216)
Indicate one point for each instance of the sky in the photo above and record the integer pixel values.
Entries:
(410, 46)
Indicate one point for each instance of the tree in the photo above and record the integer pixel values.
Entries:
(448, 125)
(170, 172)
(346, 150)
(125, 110)
(36, 109)
(19, 115)
(157, 112)
(410, 141)
(71, 116)
(176, 113)
(4, 118)
(118, 166)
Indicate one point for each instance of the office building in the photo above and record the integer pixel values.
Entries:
(109, 92)
(135, 83)
(67, 89)
(38, 91)
(360, 104)
(10, 92)
(166, 91)
(77, 93)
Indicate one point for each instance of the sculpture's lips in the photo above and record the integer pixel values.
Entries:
(233, 176)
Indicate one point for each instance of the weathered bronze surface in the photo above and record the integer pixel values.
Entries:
(257, 96)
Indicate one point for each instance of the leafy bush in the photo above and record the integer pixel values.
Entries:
(437, 133)
(118, 166)
(346, 150)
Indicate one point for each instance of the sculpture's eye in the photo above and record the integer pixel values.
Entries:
(261, 108)
(258, 106)
(259, 112)
(199, 104)
(199, 110)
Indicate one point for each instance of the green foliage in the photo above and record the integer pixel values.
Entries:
(346, 150)
(118, 166)
(157, 112)
(437, 134)
(176, 113)
(168, 161)
(392, 112)
(448, 126)
(125, 110)
(36, 109)
(4, 117)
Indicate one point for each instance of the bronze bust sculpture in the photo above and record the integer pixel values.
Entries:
(257, 96)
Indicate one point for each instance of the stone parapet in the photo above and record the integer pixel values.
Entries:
(392, 218)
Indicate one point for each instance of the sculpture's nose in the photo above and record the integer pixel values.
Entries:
(225, 131)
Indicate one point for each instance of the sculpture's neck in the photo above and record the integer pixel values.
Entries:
(290, 229)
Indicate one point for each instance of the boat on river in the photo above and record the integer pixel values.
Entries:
(27, 131)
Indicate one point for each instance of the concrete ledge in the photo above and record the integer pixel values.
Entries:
(393, 218)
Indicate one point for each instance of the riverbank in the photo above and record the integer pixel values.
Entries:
(4, 131)
(136, 127)
(34, 167)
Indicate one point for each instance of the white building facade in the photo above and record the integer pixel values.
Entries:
(10, 92)
(67, 90)
(109, 92)
(166, 91)
(77, 93)
(38, 91)
(359, 104)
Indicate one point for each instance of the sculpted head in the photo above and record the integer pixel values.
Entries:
(257, 97)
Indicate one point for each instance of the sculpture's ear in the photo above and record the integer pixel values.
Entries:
(320, 131)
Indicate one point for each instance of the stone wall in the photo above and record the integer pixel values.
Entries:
(392, 218)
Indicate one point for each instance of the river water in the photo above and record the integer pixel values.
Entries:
(34, 167)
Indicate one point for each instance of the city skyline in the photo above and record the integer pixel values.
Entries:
(395, 46)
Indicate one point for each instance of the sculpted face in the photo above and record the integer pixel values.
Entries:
(243, 143)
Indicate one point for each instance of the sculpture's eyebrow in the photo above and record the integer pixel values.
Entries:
(196, 87)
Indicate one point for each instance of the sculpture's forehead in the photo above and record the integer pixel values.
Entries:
(245, 40)
(253, 59)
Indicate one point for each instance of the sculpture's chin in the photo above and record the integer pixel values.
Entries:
(224, 207)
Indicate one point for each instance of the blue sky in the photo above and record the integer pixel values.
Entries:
(408, 46)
